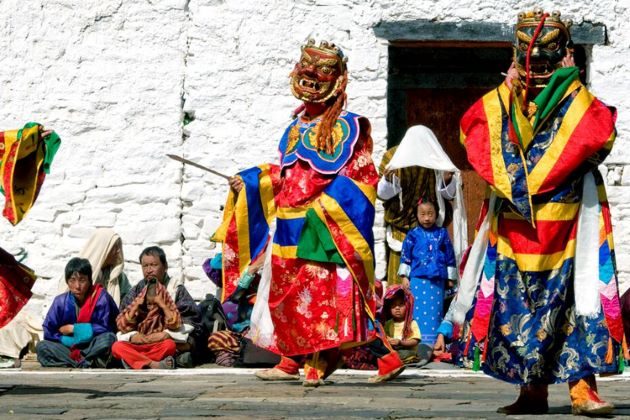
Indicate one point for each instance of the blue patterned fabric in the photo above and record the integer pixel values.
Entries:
(428, 306)
(427, 253)
(302, 146)
(535, 336)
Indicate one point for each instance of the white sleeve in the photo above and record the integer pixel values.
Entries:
(448, 191)
(180, 335)
(404, 270)
(125, 336)
(386, 190)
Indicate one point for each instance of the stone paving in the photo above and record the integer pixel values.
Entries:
(237, 394)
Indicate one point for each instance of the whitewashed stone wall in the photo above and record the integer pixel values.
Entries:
(115, 77)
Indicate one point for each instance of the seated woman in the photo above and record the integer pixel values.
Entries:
(79, 327)
(144, 339)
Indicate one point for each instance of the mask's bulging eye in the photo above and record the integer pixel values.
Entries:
(552, 46)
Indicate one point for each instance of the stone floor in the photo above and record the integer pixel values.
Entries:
(438, 391)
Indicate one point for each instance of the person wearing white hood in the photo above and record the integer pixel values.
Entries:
(418, 167)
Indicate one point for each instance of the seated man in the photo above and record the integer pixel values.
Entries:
(154, 266)
(144, 340)
(79, 327)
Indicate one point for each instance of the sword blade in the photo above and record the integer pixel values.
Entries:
(196, 165)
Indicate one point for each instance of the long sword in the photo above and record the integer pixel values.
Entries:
(196, 165)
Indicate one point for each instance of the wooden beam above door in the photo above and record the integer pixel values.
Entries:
(465, 33)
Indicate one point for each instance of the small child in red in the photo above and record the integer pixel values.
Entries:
(401, 329)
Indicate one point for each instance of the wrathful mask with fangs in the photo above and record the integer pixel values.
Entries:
(548, 49)
(318, 75)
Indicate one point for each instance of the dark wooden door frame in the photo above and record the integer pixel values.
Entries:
(422, 30)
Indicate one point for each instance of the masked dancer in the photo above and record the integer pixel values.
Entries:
(541, 272)
(310, 218)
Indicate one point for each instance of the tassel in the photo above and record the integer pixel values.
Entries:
(477, 362)
(609, 353)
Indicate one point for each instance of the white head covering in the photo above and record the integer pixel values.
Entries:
(97, 250)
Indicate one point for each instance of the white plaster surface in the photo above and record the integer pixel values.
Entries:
(114, 78)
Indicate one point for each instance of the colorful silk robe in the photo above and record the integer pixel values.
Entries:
(525, 317)
(25, 159)
(321, 206)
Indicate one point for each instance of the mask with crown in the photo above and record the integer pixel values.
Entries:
(319, 74)
(547, 40)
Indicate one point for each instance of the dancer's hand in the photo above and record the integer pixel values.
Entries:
(257, 264)
(46, 133)
(388, 174)
(404, 281)
(439, 347)
(568, 60)
(512, 76)
(236, 183)
(447, 177)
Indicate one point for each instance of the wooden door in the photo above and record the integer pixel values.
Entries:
(441, 110)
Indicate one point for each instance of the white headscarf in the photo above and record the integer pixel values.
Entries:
(97, 250)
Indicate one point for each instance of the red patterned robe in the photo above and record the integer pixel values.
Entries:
(316, 300)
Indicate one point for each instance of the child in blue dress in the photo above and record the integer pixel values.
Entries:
(427, 265)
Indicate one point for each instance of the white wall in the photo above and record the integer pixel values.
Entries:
(114, 77)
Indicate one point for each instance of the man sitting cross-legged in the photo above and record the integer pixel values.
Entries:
(145, 341)
(154, 266)
(79, 327)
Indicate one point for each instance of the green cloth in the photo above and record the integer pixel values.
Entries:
(316, 243)
(547, 100)
(52, 143)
